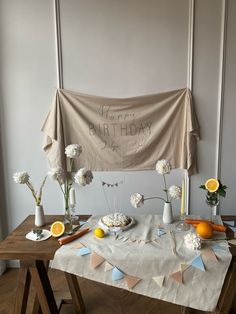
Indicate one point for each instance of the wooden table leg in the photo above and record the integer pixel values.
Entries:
(75, 293)
(186, 310)
(43, 288)
(228, 293)
(36, 306)
(22, 291)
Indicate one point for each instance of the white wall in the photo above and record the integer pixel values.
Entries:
(119, 49)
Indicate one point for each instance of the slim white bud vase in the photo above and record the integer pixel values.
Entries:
(39, 216)
(167, 217)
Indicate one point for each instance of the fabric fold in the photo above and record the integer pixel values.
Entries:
(123, 133)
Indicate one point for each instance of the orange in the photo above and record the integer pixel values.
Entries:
(57, 229)
(212, 185)
(204, 230)
(99, 232)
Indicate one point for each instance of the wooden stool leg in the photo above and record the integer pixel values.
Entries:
(75, 293)
(43, 288)
(22, 291)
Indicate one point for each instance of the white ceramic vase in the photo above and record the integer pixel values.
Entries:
(39, 216)
(167, 216)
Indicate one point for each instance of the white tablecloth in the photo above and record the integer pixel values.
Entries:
(144, 255)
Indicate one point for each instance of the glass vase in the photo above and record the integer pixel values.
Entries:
(212, 209)
(68, 221)
(181, 225)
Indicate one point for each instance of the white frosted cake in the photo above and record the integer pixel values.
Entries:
(116, 220)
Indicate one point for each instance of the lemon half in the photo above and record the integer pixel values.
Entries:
(57, 229)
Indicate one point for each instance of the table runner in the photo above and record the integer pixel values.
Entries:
(144, 252)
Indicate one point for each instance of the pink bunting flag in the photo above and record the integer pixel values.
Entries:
(108, 266)
(131, 281)
(177, 276)
(96, 260)
(209, 254)
(78, 245)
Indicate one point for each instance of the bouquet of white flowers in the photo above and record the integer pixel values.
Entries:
(66, 178)
(163, 167)
(24, 178)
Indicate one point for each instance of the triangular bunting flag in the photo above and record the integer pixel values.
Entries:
(233, 228)
(82, 222)
(160, 232)
(184, 267)
(108, 266)
(198, 263)
(233, 241)
(83, 251)
(131, 281)
(78, 245)
(218, 248)
(96, 260)
(117, 274)
(230, 223)
(177, 276)
(209, 254)
(159, 280)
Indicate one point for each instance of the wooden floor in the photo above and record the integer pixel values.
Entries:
(98, 298)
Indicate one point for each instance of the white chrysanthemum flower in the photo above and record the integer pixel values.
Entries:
(192, 241)
(137, 200)
(84, 176)
(175, 191)
(21, 177)
(73, 150)
(163, 166)
(57, 174)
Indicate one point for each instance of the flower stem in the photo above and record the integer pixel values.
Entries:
(151, 198)
(33, 192)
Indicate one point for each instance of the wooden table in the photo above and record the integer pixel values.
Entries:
(34, 260)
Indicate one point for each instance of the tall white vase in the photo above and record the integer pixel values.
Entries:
(39, 216)
(167, 216)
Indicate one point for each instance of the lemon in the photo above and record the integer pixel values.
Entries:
(212, 185)
(57, 229)
(99, 232)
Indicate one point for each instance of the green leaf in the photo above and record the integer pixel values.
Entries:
(202, 187)
(222, 193)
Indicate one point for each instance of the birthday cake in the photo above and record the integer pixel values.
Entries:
(116, 220)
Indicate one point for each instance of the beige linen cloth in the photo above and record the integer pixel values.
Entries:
(199, 289)
(123, 133)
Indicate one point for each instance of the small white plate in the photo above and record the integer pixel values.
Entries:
(33, 237)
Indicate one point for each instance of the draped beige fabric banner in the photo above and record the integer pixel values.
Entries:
(123, 134)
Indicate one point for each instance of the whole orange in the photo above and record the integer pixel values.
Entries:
(204, 230)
